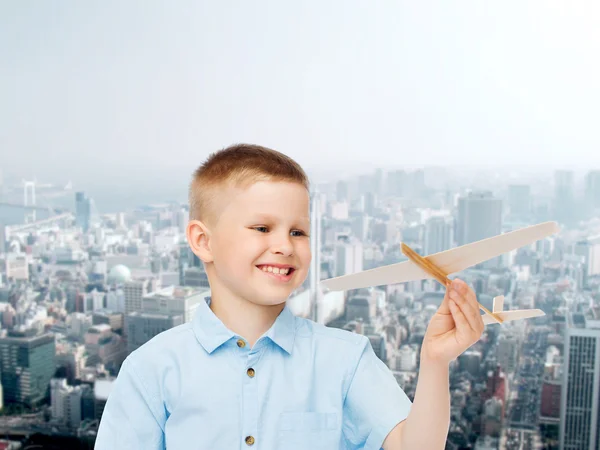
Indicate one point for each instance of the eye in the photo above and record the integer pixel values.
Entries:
(302, 233)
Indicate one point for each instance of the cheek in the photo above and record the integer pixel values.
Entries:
(305, 254)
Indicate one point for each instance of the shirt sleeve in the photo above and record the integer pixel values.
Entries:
(374, 403)
(132, 418)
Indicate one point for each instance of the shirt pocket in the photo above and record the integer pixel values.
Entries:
(308, 430)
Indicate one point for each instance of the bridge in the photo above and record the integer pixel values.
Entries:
(40, 223)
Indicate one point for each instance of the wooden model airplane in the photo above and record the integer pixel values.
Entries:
(440, 264)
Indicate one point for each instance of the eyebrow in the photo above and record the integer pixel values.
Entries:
(268, 217)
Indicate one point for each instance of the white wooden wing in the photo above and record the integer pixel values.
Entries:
(390, 274)
(507, 316)
(449, 261)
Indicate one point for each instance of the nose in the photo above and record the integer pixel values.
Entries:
(283, 245)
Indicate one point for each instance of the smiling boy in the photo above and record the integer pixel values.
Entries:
(246, 373)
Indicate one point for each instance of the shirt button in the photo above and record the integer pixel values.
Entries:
(249, 440)
(241, 343)
(250, 372)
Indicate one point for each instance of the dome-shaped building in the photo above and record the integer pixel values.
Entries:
(119, 274)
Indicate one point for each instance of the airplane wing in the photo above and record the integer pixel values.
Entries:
(460, 258)
(507, 316)
(390, 274)
(449, 261)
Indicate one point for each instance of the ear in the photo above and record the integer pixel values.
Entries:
(198, 237)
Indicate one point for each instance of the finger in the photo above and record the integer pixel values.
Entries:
(478, 318)
(463, 329)
(465, 308)
(474, 318)
(467, 301)
(445, 307)
(470, 311)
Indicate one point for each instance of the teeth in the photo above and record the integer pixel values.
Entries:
(276, 270)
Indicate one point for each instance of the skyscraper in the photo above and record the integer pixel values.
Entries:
(27, 363)
(519, 201)
(438, 234)
(579, 419)
(592, 191)
(83, 211)
(479, 217)
(564, 197)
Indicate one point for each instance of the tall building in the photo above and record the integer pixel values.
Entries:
(589, 249)
(479, 217)
(348, 257)
(66, 402)
(519, 201)
(508, 352)
(160, 311)
(579, 415)
(378, 180)
(83, 211)
(378, 343)
(592, 191)
(342, 191)
(141, 327)
(27, 363)
(438, 235)
(175, 301)
(135, 290)
(564, 197)
(370, 202)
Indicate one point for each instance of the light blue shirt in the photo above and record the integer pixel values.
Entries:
(310, 387)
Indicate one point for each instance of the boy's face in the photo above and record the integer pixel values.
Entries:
(266, 224)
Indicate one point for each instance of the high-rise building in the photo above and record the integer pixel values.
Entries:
(175, 301)
(27, 363)
(378, 344)
(65, 402)
(479, 217)
(160, 311)
(519, 201)
(508, 352)
(191, 268)
(83, 211)
(135, 290)
(592, 191)
(579, 414)
(370, 202)
(348, 257)
(589, 249)
(564, 197)
(142, 326)
(342, 191)
(438, 234)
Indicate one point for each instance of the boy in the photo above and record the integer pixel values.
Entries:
(246, 373)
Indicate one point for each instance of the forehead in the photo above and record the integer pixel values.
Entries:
(271, 200)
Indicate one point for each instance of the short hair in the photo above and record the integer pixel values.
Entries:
(238, 166)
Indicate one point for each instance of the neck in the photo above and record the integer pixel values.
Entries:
(246, 319)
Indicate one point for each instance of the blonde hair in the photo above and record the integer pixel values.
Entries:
(238, 166)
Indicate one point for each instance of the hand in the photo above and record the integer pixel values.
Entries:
(456, 325)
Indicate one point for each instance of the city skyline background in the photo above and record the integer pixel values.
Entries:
(106, 96)
(434, 124)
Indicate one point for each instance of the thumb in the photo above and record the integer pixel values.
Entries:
(445, 306)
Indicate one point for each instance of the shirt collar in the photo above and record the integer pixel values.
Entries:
(211, 332)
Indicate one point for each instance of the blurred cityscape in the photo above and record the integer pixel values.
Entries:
(80, 290)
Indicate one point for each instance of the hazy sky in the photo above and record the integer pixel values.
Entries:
(115, 92)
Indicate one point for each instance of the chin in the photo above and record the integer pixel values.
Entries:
(270, 301)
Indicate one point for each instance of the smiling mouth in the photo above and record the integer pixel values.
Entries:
(278, 276)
